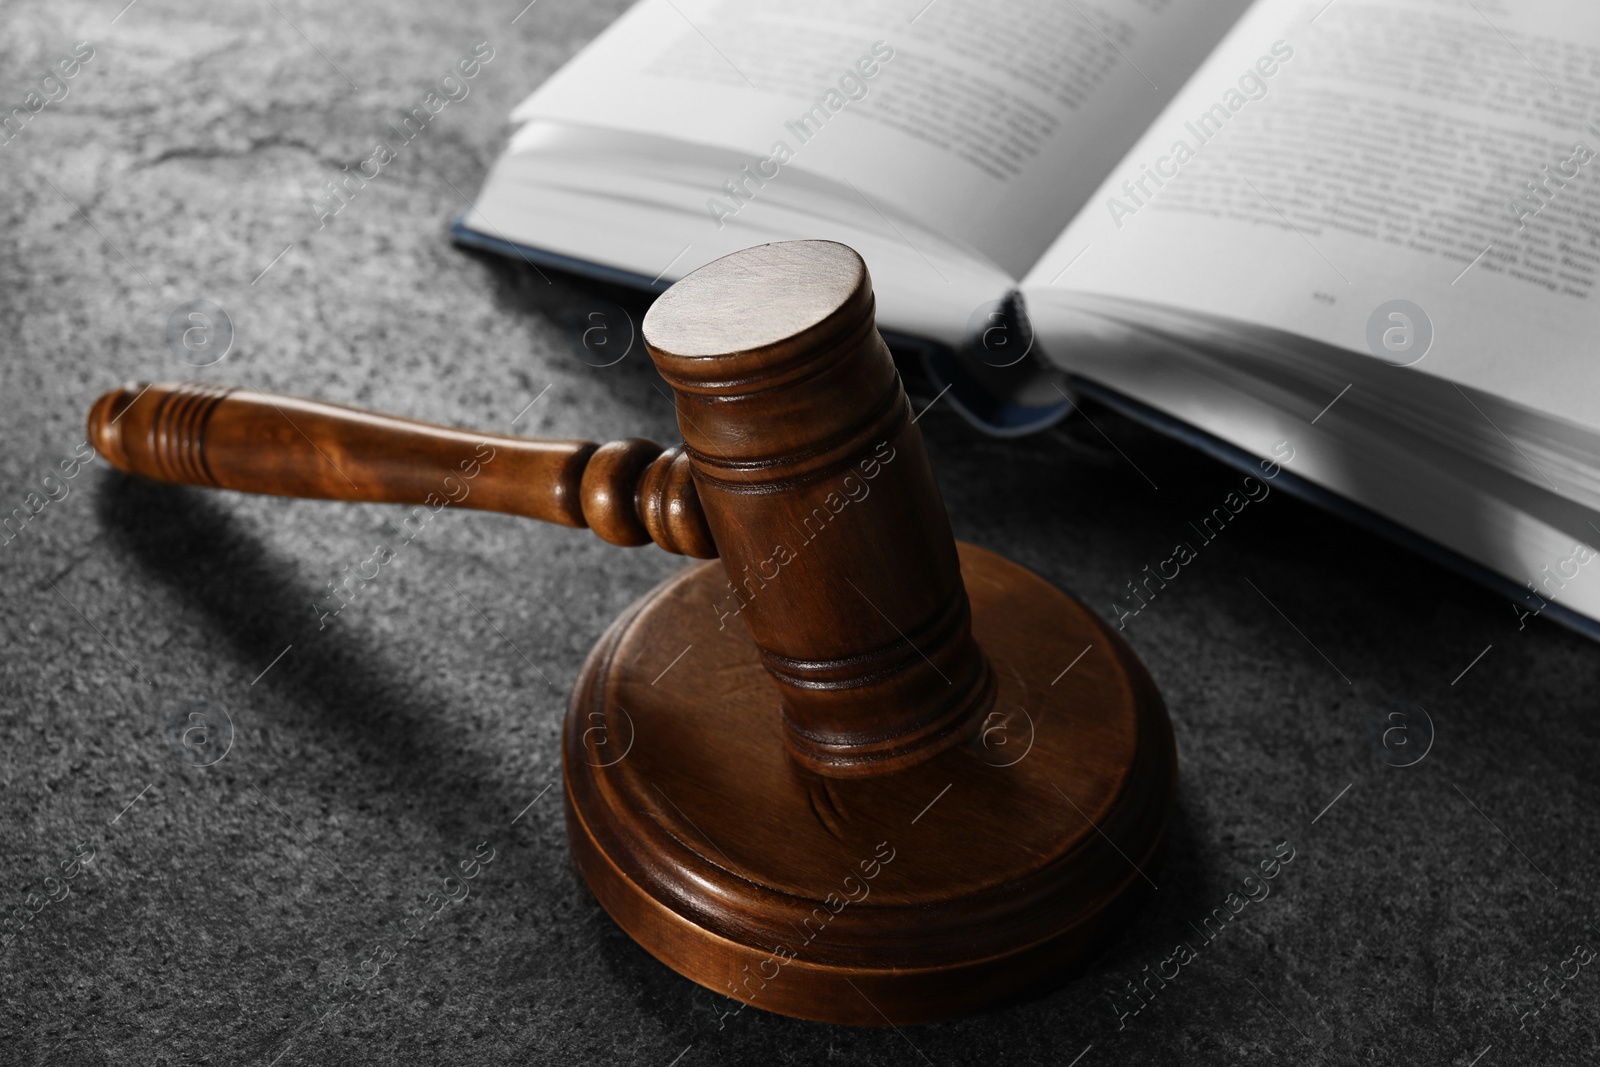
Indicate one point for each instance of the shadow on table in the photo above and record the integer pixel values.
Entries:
(256, 604)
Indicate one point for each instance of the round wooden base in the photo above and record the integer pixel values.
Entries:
(904, 898)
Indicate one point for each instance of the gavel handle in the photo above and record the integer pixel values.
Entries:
(629, 492)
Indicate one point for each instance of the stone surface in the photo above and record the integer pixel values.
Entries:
(370, 757)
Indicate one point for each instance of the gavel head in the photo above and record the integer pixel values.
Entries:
(793, 774)
(852, 770)
(824, 508)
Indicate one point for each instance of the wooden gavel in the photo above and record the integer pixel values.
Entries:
(851, 772)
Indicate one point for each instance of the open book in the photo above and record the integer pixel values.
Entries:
(1355, 239)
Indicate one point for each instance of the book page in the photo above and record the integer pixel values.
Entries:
(989, 123)
(581, 194)
(1330, 159)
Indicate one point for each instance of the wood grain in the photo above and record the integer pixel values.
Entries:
(735, 865)
(851, 771)
(629, 492)
(881, 799)
(820, 496)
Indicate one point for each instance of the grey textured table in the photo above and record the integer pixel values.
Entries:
(223, 905)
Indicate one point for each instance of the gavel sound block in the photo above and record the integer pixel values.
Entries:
(852, 771)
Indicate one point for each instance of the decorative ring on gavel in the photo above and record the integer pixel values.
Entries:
(782, 768)
(629, 492)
